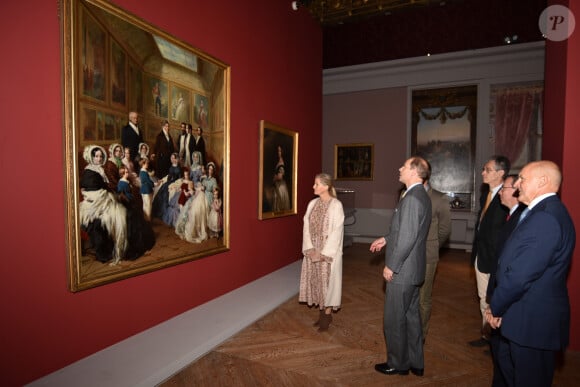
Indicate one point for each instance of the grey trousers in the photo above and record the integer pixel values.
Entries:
(402, 326)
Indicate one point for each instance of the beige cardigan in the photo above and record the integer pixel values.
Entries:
(332, 248)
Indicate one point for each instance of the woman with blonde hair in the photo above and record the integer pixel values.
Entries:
(321, 276)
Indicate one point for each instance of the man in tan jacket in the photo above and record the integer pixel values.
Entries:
(439, 232)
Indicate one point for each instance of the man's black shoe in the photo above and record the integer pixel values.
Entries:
(386, 369)
(418, 371)
(481, 342)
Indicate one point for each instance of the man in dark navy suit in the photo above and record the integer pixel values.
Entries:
(530, 301)
(508, 195)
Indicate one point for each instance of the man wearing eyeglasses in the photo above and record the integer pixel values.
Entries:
(491, 218)
(508, 195)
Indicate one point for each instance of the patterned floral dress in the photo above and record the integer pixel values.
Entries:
(315, 273)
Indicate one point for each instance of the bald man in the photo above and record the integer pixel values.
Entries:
(530, 302)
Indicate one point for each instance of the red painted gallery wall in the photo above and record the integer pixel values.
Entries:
(570, 162)
(275, 56)
(561, 139)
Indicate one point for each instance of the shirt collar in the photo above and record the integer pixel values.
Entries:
(494, 190)
(539, 199)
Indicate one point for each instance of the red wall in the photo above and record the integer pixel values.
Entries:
(276, 59)
(570, 162)
(561, 139)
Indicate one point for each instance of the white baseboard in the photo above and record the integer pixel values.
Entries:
(154, 355)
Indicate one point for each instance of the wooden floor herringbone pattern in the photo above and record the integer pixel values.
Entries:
(284, 349)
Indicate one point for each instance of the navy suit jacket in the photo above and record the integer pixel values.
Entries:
(531, 294)
(502, 237)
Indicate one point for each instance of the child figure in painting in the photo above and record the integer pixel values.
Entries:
(147, 186)
(186, 189)
(209, 183)
(215, 219)
(124, 186)
(192, 222)
(144, 154)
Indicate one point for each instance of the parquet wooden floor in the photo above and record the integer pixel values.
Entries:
(284, 349)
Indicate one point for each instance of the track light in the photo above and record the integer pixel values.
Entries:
(510, 39)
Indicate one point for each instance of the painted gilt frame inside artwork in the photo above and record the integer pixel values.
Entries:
(278, 171)
(132, 213)
(443, 132)
(354, 161)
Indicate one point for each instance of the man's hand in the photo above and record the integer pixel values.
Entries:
(494, 322)
(378, 244)
(388, 274)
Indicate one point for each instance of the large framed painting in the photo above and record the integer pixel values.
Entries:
(354, 161)
(278, 171)
(443, 132)
(128, 213)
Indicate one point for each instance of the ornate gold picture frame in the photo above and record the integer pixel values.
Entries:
(443, 131)
(354, 161)
(115, 63)
(278, 171)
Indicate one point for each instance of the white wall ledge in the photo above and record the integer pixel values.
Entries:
(152, 356)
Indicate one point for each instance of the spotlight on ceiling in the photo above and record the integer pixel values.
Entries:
(300, 3)
(510, 39)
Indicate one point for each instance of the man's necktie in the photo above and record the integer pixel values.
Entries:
(486, 206)
(523, 215)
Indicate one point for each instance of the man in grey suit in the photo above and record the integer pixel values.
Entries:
(404, 272)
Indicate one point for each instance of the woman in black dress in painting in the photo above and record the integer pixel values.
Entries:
(101, 214)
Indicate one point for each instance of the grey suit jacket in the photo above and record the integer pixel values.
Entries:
(406, 242)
